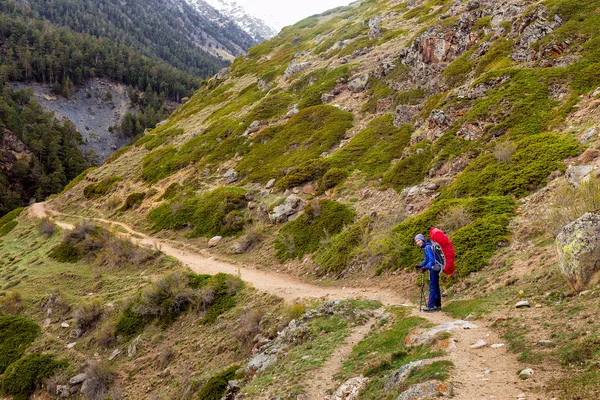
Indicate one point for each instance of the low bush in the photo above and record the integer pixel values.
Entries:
(304, 235)
(216, 386)
(66, 253)
(331, 179)
(171, 191)
(117, 154)
(164, 358)
(218, 212)
(11, 216)
(312, 86)
(16, 334)
(101, 188)
(410, 170)
(249, 327)
(218, 296)
(47, 227)
(305, 172)
(7, 228)
(271, 106)
(535, 158)
(454, 218)
(133, 201)
(88, 314)
(336, 256)
(24, 375)
(11, 303)
(100, 382)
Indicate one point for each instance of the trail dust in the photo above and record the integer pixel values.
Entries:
(479, 374)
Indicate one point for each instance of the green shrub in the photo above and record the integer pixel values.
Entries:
(335, 257)
(153, 140)
(131, 323)
(66, 253)
(11, 216)
(331, 179)
(216, 386)
(16, 334)
(218, 296)
(305, 172)
(99, 189)
(171, 191)
(246, 97)
(159, 164)
(6, 228)
(312, 86)
(304, 137)
(372, 149)
(535, 158)
(133, 201)
(474, 243)
(410, 170)
(303, 235)
(218, 212)
(24, 375)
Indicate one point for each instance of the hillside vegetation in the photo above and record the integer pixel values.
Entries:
(321, 154)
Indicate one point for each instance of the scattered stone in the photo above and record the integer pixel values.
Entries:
(480, 344)
(327, 98)
(421, 336)
(233, 388)
(523, 304)
(222, 74)
(71, 345)
(64, 325)
(405, 114)
(585, 293)
(47, 322)
(375, 28)
(290, 206)
(579, 174)
(398, 377)
(545, 342)
(426, 390)
(77, 379)
(115, 353)
(254, 127)
(63, 391)
(527, 372)
(294, 67)
(270, 184)
(521, 396)
(214, 241)
(497, 345)
(293, 111)
(578, 246)
(350, 389)
(132, 348)
(230, 176)
(358, 83)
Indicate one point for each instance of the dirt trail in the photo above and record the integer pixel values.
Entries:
(478, 373)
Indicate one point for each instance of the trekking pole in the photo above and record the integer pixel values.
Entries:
(422, 291)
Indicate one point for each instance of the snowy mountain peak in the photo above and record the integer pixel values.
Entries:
(221, 11)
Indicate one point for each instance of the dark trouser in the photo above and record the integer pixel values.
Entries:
(435, 295)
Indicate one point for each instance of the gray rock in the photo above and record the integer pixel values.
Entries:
(295, 67)
(214, 241)
(293, 111)
(375, 28)
(222, 74)
(71, 345)
(290, 206)
(577, 174)
(527, 372)
(358, 83)
(398, 377)
(270, 184)
(420, 336)
(63, 391)
(260, 362)
(327, 98)
(426, 390)
(588, 134)
(350, 389)
(479, 345)
(578, 247)
(64, 325)
(77, 379)
(523, 304)
(115, 353)
(233, 388)
(230, 176)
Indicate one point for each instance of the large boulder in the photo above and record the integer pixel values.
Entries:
(578, 247)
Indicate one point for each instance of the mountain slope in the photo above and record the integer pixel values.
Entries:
(320, 154)
(254, 26)
(170, 30)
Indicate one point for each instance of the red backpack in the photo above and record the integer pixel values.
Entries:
(443, 248)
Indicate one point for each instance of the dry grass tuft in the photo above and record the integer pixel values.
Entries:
(570, 203)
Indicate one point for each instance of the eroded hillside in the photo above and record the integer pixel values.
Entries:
(320, 154)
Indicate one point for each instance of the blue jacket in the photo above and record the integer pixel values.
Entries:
(430, 257)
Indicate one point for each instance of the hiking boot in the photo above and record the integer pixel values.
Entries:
(427, 309)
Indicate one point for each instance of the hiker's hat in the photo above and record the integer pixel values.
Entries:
(419, 237)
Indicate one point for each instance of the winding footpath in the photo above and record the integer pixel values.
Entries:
(478, 374)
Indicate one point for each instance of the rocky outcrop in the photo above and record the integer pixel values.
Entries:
(399, 376)
(350, 389)
(375, 28)
(11, 150)
(295, 67)
(282, 212)
(421, 336)
(533, 28)
(578, 247)
(431, 389)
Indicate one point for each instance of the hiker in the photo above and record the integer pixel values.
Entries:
(432, 264)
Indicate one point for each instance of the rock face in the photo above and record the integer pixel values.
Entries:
(431, 389)
(295, 67)
(350, 389)
(578, 247)
(290, 206)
